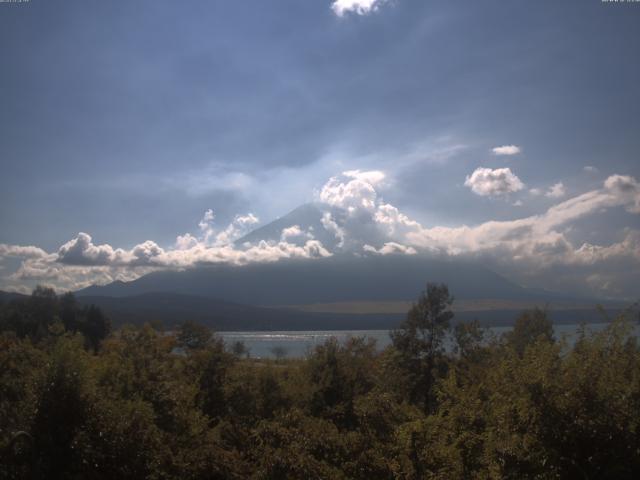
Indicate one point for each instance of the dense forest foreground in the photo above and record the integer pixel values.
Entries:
(78, 400)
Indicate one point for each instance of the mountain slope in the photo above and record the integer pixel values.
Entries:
(308, 217)
(337, 279)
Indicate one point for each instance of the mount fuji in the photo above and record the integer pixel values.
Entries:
(346, 285)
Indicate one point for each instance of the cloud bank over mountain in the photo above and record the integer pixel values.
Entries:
(353, 218)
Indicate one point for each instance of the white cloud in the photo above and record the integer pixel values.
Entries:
(186, 241)
(290, 232)
(79, 262)
(21, 251)
(82, 251)
(360, 7)
(206, 225)
(496, 182)
(590, 169)
(207, 219)
(374, 177)
(390, 248)
(295, 234)
(506, 150)
(331, 225)
(627, 188)
(589, 254)
(353, 190)
(240, 226)
(556, 191)
(393, 221)
(537, 239)
(535, 192)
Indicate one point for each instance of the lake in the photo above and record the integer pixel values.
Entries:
(300, 343)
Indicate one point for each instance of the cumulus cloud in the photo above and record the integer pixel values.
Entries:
(506, 150)
(216, 247)
(537, 238)
(353, 191)
(291, 232)
(360, 7)
(493, 182)
(332, 226)
(390, 248)
(240, 225)
(394, 222)
(207, 220)
(527, 248)
(82, 251)
(80, 262)
(627, 188)
(589, 254)
(556, 191)
(295, 234)
(186, 241)
(28, 251)
(206, 225)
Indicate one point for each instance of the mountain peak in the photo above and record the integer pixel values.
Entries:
(338, 230)
(308, 217)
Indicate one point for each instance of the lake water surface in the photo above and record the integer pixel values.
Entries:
(300, 343)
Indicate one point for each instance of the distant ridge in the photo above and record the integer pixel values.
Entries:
(170, 310)
(9, 296)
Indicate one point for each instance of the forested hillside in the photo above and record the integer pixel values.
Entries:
(78, 400)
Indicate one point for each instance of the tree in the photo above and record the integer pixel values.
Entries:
(239, 349)
(61, 409)
(338, 374)
(69, 311)
(194, 336)
(96, 326)
(530, 327)
(468, 338)
(214, 363)
(279, 352)
(45, 315)
(419, 340)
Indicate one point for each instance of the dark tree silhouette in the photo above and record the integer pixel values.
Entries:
(194, 336)
(530, 326)
(96, 326)
(419, 340)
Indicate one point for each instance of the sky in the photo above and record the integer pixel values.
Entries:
(140, 135)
